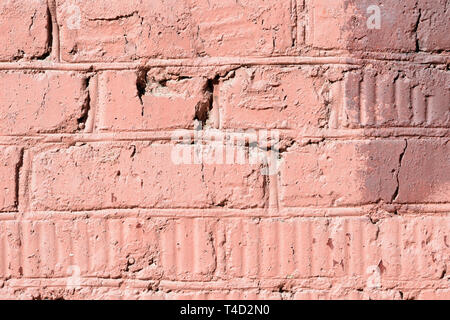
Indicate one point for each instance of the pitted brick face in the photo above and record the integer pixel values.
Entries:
(25, 30)
(221, 149)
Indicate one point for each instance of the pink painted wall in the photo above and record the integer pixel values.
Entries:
(106, 105)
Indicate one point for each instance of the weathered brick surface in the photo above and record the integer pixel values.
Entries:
(423, 175)
(295, 253)
(10, 160)
(354, 247)
(403, 26)
(124, 31)
(342, 24)
(340, 173)
(392, 96)
(434, 16)
(273, 97)
(25, 30)
(42, 102)
(138, 175)
(151, 103)
(133, 163)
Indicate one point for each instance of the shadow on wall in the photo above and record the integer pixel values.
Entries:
(380, 97)
(402, 112)
(381, 25)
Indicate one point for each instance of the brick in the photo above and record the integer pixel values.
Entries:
(299, 248)
(102, 191)
(124, 31)
(340, 173)
(394, 96)
(10, 249)
(182, 249)
(432, 28)
(354, 249)
(307, 256)
(439, 294)
(338, 248)
(42, 102)
(342, 24)
(25, 30)
(139, 247)
(425, 172)
(127, 176)
(272, 97)
(10, 161)
(162, 104)
(187, 249)
(413, 249)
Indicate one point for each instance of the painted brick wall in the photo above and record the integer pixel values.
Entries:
(134, 162)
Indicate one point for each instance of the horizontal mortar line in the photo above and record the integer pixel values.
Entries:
(221, 61)
(215, 279)
(176, 142)
(300, 212)
(274, 282)
(176, 134)
(199, 62)
(403, 209)
(222, 285)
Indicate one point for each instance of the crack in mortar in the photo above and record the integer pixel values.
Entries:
(86, 107)
(119, 17)
(400, 160)
(416, 28)
(18, 168)
(49, 44)
(141, 85)
(203, 108)
(52, 33)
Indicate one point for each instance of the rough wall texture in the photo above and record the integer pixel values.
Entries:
(351, 200)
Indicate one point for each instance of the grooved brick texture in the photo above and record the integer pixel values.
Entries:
(134, 160)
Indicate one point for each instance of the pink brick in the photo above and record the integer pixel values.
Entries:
(341, 24)
(349, 248)
(182, 249)
(431, 294)
(42, 102)
(425, 172)
(306, 254)
(124, 31)
(163, 104)
(135, 175)
(104, 195)
(413, 248)
(188, 249)
(340, 173)
(30, 249)
(392, 96)
(138, 247)
(25, 30)
(300, 248)
(10, 249)
(272, 97)
(432, 29)
(10, 161)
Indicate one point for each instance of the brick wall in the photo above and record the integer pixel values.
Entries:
(106, 105)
